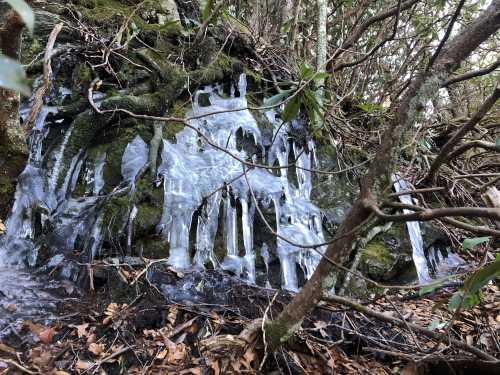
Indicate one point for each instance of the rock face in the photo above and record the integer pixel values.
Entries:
(91, 187)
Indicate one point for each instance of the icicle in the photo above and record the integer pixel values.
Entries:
(417, 242)
(247, 229)
(232, 261)
(130, 227)
(96, 237)
(58, 159)
(98, 173)
(134, 159)
(264, 253)
(208, 222)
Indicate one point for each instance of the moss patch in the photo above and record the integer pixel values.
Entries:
(377, 260)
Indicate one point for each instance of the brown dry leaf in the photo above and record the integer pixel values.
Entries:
(41, 359)
(96, 349)
(172, 315)
(59, 372)
(47, 335)
(2, 227)
(161, 355)
(191, 371)
(33, 327)
(92, 338)
(81, 330)
(249, 357)
(83, 365)
(215, 366)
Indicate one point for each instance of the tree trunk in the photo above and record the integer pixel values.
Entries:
(13, 149)
(321, 49)
(377, 178)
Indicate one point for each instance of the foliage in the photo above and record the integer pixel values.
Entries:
(470, 295)
(12, 74)
(302, 96)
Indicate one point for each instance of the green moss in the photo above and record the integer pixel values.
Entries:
(6, 185)
(115, 215)
(377, 260)
(153, 248)
(148, 216)
(223, 66)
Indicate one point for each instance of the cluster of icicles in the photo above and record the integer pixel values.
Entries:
(198, 175)
(194, 171)
(202, 172)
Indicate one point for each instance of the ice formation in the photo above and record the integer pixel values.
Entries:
(207, 182)
(440, 264)
(202, 175)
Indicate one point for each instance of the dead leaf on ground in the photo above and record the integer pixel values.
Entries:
(96, 349)
(47, 335)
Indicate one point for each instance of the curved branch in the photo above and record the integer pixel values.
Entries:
(426, 214)
(444, 155)
(478, 143)
(360, 29)
(473, 74)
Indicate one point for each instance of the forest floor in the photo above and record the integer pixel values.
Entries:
(138, 331)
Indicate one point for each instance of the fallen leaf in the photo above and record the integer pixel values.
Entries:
(96, 349)
(83, 365)
(81, 330)
(47, 335)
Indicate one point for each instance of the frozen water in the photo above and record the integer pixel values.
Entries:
(415, 233)
(440, 264)
(134, 159)
(195, 170)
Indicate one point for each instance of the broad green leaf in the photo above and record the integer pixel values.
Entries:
(430, 288)
(482, 276)
(469, 243)
(306, 72)
(278, 98)
(455, 301)
(12, 75)
(24, 10)
(291, 109)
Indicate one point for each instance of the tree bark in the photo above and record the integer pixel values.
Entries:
(13, 149)
(377, 179)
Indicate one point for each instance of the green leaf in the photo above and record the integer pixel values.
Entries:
(469, 243)
(207, 9)
(291, 109)
(482, 276)
(24, 10)
(497, 142)
(278, 98)
(12, 75)
(455, 301)
(306, 72)
(322, 75)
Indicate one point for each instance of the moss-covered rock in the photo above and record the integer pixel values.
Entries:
(377, 260)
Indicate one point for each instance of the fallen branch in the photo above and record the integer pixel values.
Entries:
(403, 324)
(47, 75)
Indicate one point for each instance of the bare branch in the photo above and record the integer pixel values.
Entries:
(444, 155)
(473, 74)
